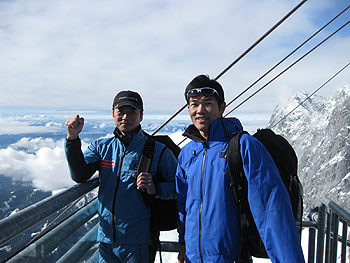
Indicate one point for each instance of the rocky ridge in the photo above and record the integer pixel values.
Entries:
(319, 131)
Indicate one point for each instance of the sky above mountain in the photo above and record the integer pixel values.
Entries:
(79, 54)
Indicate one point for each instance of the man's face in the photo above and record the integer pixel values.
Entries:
(202, 111)
(127, 118)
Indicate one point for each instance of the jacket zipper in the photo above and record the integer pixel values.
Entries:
(201, 207)
(115, 195)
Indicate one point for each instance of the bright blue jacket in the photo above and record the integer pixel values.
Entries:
(208, 213)
(124, 218)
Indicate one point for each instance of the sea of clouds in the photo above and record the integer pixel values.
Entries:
(32, 146)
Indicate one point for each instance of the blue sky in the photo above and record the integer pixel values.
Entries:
(77, 55)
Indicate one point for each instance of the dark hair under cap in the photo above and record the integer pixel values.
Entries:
(204, 81)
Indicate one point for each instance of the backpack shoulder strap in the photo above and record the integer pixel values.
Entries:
(145, 164)
(234, 162)
(239, 185)
(148, 151)
(147, 156)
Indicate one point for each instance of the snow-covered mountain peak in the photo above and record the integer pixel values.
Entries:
(319, 130)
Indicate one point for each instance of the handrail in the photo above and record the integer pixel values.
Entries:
(47, 243)
(337, 209)
(80, 248)
(26, 218)
(327, 218)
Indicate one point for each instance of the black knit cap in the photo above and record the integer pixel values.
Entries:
(128, 98)
(204, 81)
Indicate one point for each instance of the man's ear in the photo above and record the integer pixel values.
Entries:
(222, 108)
(141, 116)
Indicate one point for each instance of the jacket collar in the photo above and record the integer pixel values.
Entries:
(193, 133)
(126, 139)
(220, 129)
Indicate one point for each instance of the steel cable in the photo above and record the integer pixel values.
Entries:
(286, 57)
(238, 59)
(285, 70)
(308, 97)
(283, 61)
(261, 38)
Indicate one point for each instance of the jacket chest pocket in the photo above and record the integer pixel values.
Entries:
(129, 167)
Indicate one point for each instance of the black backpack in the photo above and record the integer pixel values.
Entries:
(164, 213)
(287, 163)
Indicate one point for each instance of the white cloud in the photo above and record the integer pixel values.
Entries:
(40, 161)
(79, 54)
(22, 125)
(33, 145)
(54, 124)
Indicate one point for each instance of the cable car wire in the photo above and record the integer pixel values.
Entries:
(308, 97)
(261, 38)
(238, 59)
(291, 53)
(284, 60)
(285, 70)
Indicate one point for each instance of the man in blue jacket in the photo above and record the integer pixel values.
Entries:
(124, 229)
(209, 222)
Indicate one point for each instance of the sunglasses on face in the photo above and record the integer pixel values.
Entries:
(206, 92)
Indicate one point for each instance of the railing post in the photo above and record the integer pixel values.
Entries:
(312, 225)
(334, 233)
(312, 242)
(344, 242)
(321, 233)
(328, 237)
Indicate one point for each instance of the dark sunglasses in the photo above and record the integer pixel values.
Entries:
(206, 91)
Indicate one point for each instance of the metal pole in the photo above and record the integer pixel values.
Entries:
(321, 232)
(343, 242)
(334, 232)
(46, 244)
(311, 249)
(80, 248)
(24, 219)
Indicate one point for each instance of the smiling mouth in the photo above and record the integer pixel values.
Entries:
(202, 119)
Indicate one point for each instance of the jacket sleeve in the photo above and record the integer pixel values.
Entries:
(181, 189)
(167, 166)
(269, 203)
(80, 170)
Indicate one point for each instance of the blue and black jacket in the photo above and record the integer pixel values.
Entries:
(208, 213)
(124, 218)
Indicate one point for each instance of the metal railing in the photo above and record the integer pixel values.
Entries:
(329, 219)
(325, 242)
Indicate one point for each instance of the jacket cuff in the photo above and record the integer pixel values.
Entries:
(76, 139)
(158, 192)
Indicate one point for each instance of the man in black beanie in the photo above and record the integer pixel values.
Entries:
(209, 221)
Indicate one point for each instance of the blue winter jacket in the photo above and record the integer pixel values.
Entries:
(124, 218)
(208, 213)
